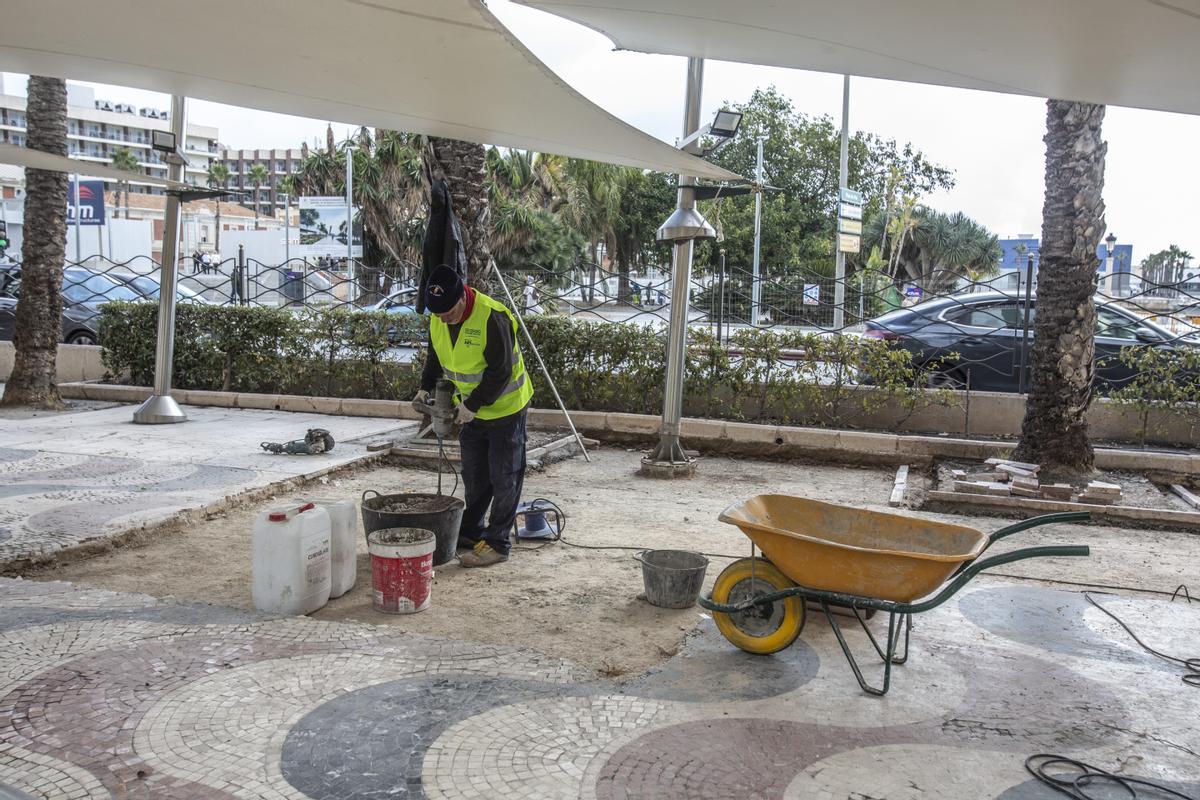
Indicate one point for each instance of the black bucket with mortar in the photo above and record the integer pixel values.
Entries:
(672, 577)
(439, 513)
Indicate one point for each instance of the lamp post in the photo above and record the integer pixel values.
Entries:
(160, 408)
(352, 293)
(682, 228)
(1110, 243)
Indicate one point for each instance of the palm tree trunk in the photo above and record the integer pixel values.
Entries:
(464, 166)
(217, 233)
(38, 323)
(1055, 431)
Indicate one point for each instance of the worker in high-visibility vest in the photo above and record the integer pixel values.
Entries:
(473, 343)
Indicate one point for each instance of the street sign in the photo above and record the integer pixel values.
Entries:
(853, 226)
(323, 227)
(851, 196)
(849, 243)
(849, 211)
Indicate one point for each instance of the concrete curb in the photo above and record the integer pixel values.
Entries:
(711, 435)
(1157, 517)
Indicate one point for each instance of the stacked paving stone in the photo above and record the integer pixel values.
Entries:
(1006, 478)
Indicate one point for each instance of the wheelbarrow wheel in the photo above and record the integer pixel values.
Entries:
(762, 629)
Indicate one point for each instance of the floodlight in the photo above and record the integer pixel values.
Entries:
(164, 141)
(725, 124)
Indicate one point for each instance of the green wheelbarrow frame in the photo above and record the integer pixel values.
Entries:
(900, 614)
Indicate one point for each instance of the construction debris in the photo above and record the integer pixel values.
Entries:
(1058, 491)
(1186, 495)
(899, 486)
(1019, 479)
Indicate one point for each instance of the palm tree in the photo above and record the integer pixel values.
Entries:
(593, 205)
(463, 165)
(257, 176)
(218, 177)
(124, 160)
(389, 189)
(1055, 430)
(38, 324)
(934, 250)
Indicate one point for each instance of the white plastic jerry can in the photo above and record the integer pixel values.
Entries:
(343, 521)
(291, 559)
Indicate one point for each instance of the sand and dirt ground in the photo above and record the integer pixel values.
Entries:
(587, 605)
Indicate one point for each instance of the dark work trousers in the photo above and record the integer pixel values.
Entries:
(493, 472)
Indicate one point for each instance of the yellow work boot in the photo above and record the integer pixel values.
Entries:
(482, 556)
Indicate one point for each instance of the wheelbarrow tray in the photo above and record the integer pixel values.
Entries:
(853, 551)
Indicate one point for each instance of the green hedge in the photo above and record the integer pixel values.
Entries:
(331, 353)
(799, 378)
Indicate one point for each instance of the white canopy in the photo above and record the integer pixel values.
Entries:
(36, 159)
(1140, 53)
(439, 67)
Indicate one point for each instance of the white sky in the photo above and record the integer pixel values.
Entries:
(993, 142)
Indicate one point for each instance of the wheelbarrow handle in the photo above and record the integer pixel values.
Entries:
(1033, 522)
(980, 564)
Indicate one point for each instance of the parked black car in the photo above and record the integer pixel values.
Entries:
(83, 293)
(979, 339)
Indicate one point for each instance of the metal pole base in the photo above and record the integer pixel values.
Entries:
(668, 460)
(159, 409)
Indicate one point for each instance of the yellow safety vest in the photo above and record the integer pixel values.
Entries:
(463, 362)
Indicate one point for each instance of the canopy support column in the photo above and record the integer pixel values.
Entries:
(160, 407)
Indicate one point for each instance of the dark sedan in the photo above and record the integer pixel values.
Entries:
(83, 293)
(980, 340)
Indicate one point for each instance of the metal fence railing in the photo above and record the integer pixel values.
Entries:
(972, 334)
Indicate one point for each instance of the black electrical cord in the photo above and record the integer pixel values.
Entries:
(1192, 664)
(1075, 780)
(443, 457)
(542, 504)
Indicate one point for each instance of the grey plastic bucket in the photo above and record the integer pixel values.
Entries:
(443, 520)
(672, 578)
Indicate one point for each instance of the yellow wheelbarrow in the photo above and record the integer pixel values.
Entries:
(866, 561)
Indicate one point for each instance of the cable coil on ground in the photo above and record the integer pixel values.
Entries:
(1079, 777)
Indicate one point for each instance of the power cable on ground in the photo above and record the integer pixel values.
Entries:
(1190, 663)
(1074, 778)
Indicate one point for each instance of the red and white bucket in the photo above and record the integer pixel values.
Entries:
(401, 569)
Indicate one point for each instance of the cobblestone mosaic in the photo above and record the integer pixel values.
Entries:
(108, 695)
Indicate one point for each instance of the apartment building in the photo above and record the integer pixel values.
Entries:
(97, 128)
(279, 164)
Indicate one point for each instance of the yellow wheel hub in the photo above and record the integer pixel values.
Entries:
(762, 629)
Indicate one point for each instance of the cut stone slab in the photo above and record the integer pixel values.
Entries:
(1018, 464)
(1100, 487)
(1098, 497)
(1057, 491)
(995, 476)
(1027, 483)
(973, 487)
(899, 486)
(1015, 471)
(1186, 495)
(1024, 491)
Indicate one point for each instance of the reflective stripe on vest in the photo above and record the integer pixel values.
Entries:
(463, 362)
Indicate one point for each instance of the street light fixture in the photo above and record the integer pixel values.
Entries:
(726, 123)
(724, 127)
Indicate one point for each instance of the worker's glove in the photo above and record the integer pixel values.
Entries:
(422, 397)
(465, 415)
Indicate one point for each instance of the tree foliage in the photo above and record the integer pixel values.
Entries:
(932, 249)
(800, 158)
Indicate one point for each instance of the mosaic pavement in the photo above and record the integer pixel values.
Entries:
(106, 695)
(72, 478)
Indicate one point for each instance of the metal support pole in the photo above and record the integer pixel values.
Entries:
(1021, 379)
(839, 274)
(161, 407)
(240, 269)
(78, 249)
(755, 274)
(682, 228)
(721, 301)
(533, 346)
(352, 294)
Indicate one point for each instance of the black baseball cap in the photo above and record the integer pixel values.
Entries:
(443, 289)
